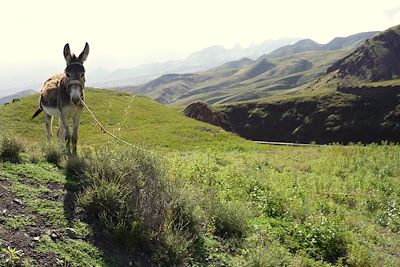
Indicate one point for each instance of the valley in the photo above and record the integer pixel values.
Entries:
(189, 193)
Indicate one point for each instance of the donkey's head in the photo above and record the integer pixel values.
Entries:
(75, 73)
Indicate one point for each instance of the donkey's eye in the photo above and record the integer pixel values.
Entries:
(82, 75)
(68, 75)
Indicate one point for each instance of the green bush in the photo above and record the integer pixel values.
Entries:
(322, 241)
(138, 206)
(230, 218)
(271, 255)
(76, 166)
(184, 224)
(270, 203)
(125, 189)
(53, 153)
(10, 149)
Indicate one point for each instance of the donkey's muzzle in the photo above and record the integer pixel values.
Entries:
(76, 100)
(76, 89)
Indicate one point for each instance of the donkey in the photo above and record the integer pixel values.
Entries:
(61, 96)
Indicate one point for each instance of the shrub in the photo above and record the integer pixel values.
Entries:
(53, 153)
(271, 255)
(230, 218)
(10, 256)
(138, 206)
(322, 241)
(10, 149)
(270, 203)
(126, 191)
(184, 224)
(76, 166)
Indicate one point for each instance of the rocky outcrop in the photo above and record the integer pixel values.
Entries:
(202, 112)
(354, 115)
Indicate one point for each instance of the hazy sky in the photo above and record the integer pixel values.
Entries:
(127, 33)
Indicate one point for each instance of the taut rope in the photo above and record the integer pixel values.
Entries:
(104, 130)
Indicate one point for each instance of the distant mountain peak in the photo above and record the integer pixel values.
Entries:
(307, 45)
(307, 42)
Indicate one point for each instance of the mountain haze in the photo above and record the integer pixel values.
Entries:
(204, 59)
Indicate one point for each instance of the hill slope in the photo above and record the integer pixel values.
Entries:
(18, 95)
(264, 77)
(136, 119)
(377, 59)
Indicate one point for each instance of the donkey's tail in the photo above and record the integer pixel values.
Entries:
(37, 113)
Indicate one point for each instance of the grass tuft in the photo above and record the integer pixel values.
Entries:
(10, 149)
(53, 153)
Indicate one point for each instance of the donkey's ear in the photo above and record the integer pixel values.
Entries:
(67, 53)
(83, 56)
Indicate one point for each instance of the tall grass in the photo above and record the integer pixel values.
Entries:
(136, 203)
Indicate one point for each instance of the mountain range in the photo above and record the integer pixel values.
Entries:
(284, 69)
(204, 59)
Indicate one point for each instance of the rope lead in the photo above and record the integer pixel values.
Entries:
(104, 129)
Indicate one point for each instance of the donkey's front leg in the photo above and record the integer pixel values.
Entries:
(64, 123)
(75, 124)
(60, 132)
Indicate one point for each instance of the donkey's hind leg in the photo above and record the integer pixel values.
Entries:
(48, 119)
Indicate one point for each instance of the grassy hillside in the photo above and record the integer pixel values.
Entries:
(225, 201)
(136, 119)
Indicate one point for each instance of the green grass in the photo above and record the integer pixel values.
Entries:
(17, 222)
(75, 252)
(243, 204)
(301, 196)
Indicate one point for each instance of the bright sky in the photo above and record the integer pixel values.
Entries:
(127, 33)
